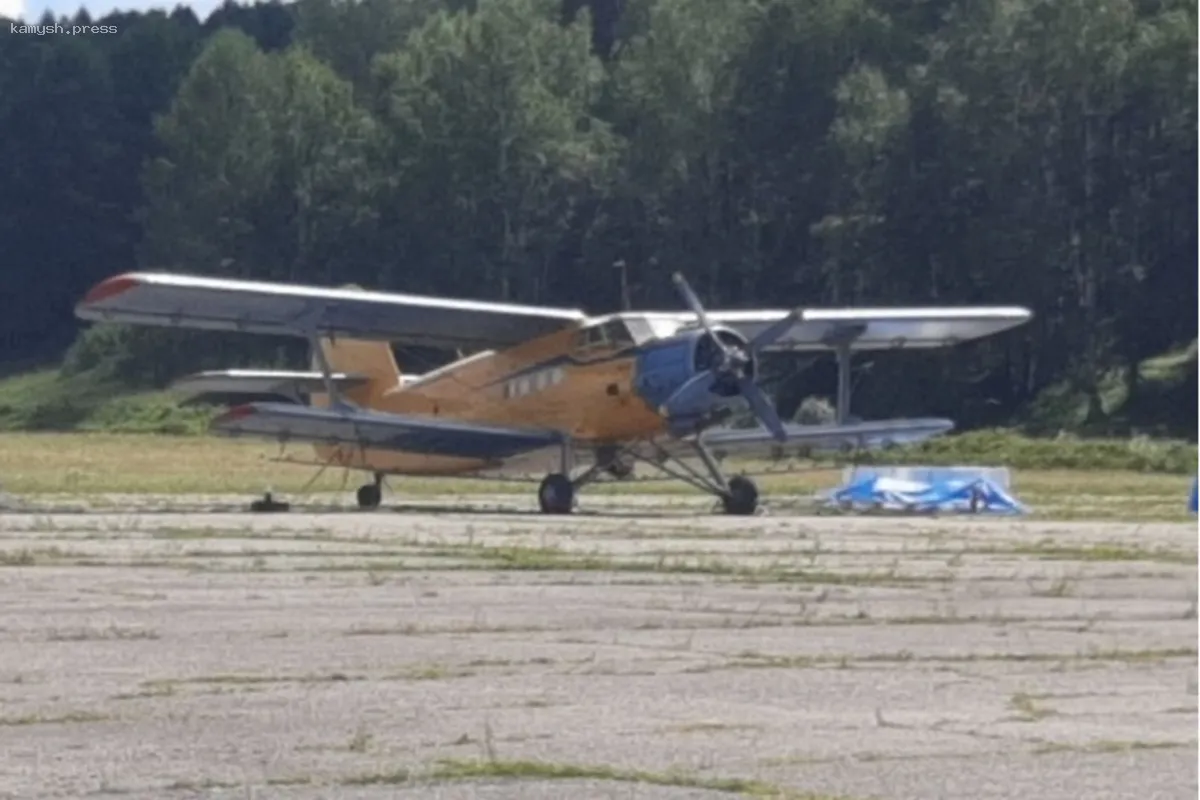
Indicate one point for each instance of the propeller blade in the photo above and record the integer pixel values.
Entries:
(762, 409)
(690, 299)
(693, 302)
(775, 330)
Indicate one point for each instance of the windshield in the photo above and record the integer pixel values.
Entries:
(611, 333)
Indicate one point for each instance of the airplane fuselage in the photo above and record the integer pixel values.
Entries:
(601, 389)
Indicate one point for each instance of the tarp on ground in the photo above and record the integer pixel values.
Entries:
(1000, 476)
(955, 496)
(1192, 499)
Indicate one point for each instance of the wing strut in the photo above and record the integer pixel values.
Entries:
(335, 395)
(843, 383)
(311, 321)
(840, 339)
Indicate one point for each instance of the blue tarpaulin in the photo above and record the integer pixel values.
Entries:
(1192, 499)
(962, 495)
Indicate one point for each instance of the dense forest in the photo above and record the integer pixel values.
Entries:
(779, 152)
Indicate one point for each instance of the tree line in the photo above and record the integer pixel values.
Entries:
(779, 152)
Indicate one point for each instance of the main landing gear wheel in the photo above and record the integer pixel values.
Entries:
(556, 495)
(370, 494)
(742, 498)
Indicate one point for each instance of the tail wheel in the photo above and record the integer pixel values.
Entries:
(556, 495)
(369, 496)
(742, 498)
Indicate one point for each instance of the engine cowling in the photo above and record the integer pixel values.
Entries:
(665, 368)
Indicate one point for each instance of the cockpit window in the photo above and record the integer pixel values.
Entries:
(612, 334)
(617, 334)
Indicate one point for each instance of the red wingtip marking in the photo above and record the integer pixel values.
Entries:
(234, 414)
(109, 287)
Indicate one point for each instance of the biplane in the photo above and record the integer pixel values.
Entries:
(546, 391)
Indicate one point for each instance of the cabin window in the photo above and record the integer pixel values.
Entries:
(590, 338)
(543, 379)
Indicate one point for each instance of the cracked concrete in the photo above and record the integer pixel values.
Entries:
(160, 654)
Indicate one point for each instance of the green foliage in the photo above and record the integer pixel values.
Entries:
(1158, 399)
(1010, 449)
(490, 148)
(92, 401)
(782, 152)
(815, 411)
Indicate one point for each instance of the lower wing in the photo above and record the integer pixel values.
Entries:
(854, 435)
(421, 435)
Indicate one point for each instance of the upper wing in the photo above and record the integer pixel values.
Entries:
(870, 328)
(291, 310)
(861, 435)
(412, 434)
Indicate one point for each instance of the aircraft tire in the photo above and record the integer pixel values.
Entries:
(742, 499)
(369, 496)
(556, 495)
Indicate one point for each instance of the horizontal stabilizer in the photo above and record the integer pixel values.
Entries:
(856, 435)
(360, 428)
(222, 387)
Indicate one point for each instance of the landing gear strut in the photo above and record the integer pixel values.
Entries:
(738, 495)
(370, 494)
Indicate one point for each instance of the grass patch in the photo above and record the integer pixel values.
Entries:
(1109, 746)
(753, 660)
(1028, 708)
(465, 770)
(1100, 552)
(100, 463)
(519, 558)
(515, 558)
(111, 633)
(59, 719)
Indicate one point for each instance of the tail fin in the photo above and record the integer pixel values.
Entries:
(371, 359)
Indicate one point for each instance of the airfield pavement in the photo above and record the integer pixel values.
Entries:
(448, 653)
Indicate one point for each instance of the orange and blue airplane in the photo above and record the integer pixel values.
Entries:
(549, 389)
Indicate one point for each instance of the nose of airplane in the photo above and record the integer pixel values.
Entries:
(661, 370)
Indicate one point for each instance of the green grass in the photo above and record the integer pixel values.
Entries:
(84, 435)
(82, 464)
(495, 769)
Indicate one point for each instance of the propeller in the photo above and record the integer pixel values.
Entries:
(731, 370)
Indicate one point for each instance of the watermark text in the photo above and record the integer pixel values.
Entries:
(68, 30)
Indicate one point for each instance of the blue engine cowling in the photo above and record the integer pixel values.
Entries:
(665, 366)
